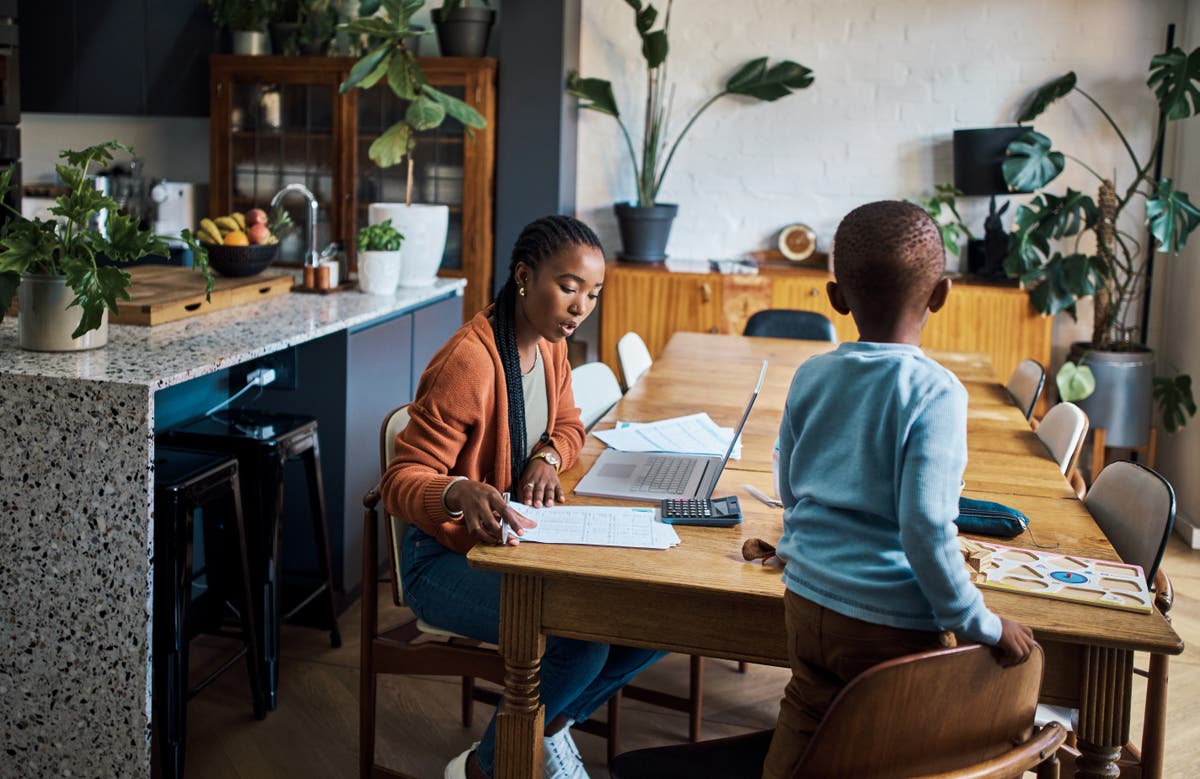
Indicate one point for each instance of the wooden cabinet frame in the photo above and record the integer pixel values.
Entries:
(477, 78)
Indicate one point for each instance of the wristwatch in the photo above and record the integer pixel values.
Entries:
(549, 455)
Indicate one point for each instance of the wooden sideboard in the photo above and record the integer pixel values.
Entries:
(655, 303)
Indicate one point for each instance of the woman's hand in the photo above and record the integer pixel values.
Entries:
(539, 485)
(484, 509)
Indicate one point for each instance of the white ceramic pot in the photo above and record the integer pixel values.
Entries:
(46, 319)
(424, 229)
(378, 272)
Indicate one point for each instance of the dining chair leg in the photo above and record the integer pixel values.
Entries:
(468, 700)
(366, 672)
(614, 726)
(1154, 724)
(1049, 768)
(696, 699)
(743, 666)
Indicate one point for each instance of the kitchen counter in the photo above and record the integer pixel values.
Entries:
(76, 494)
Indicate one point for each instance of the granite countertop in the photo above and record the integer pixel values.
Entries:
(172, 353)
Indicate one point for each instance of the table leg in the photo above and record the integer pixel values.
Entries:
(520, 720)
(1104, 711)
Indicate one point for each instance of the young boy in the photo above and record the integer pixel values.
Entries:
(872, 449)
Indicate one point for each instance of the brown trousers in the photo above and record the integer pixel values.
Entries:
(827, 650)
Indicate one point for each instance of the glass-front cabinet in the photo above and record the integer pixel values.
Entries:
(281, 120)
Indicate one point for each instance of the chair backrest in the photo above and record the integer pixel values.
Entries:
(1135, 507)
(1025, 385)
(395, 421)
(596, 391)
(633, 357)
(926, 713)
(791, 323)
(1062, 431)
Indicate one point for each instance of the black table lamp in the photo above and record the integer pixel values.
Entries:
(978, 155)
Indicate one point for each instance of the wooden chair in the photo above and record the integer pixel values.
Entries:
(791, 323)
(634, 358)
(1025, 385)
(596, 391)
(946, 713)
(1062, 430)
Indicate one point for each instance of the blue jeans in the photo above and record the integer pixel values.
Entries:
(576, 676)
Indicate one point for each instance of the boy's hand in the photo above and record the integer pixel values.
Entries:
(1015, 644)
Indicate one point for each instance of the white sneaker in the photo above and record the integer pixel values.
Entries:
(457, 768)
(560, 756)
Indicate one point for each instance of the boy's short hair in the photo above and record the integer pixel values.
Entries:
(889, 255)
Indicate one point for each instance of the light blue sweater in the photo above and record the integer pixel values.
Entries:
(871, 453)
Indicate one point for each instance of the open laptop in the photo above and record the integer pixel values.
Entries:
(652, 477)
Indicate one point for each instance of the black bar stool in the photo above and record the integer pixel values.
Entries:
(185, 482)
(263, 442)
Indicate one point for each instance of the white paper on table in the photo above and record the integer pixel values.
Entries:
(623, 526)
(692, 434)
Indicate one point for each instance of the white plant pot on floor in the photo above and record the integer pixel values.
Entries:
(378, 272)
(424, 229)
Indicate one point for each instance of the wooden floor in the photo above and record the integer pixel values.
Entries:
(314, 731)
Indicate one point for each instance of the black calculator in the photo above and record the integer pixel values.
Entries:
(717, 512)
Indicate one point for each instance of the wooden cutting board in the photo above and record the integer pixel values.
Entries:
(161, 293)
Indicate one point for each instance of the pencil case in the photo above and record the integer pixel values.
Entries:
(985, 518)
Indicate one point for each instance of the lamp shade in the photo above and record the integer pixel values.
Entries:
(978, 155)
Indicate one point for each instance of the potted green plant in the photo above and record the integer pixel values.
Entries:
(390, 61)
(646, 225)
(246, 21)
(462, 28)
(379, 258)
(54, 265)
(1113, 273)
(942, 207)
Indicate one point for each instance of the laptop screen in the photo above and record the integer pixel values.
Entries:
(737, 431)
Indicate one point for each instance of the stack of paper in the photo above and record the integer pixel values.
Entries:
(637, 528)
(693, 434)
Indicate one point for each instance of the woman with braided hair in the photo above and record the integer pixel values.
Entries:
(494, 413)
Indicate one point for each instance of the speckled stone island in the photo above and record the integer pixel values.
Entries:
(76, 544)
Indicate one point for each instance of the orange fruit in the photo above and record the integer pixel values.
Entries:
(236, 238)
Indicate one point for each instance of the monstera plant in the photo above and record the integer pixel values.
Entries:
(1068, 245)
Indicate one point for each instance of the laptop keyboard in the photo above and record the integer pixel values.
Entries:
(665, 474)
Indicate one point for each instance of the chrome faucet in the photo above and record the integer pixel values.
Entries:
(311, 255)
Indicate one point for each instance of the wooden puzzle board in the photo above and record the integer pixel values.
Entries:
(1054, 575)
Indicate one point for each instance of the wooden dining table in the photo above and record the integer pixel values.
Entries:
(702, 598)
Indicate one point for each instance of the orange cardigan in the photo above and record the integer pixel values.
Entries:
(459, 427)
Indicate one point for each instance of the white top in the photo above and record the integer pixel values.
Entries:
(537, 408)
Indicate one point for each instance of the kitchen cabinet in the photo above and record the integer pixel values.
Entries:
(276, 120)
(996, 320)
(128, 57)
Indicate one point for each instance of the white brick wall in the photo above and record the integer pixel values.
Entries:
(893, 80)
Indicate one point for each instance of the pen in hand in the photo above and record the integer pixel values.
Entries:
(505, 531)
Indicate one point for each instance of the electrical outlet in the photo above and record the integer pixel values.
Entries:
(261, 376)
(283, 363)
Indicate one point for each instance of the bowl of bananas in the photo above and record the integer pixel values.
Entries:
(238, 244)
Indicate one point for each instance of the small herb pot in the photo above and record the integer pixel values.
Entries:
(378, 272)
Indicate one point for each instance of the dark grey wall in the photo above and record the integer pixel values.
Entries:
(536, 121)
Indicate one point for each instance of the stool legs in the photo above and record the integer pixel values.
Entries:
(249, 634)
(172, 581)
(316, 498)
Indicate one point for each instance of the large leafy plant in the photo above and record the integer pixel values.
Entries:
(71, 244)
(389, 60)
(753, 79)
(1112, 268)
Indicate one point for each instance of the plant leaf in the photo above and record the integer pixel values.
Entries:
(424, 113)
(199, 260)
(1029, 164)
(1036, 103)
(99, 154)
(400, 78)
(1075, 382)
(389, 149)
(645, 19)
(1055, 292)
(29, 244)
(1174, 76)
(373, 77)
(95, 290)
(368, 7)
(1173, 396)
(654, 48)
(1172, 216)
(754, 79)
(364, 67)
(596, 91)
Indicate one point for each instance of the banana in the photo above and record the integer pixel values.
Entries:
(227, 224)
(210, 237)
(240, 219)
(209, 226)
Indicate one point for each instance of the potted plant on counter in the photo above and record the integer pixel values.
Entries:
(389, 61)
(55, 265)
(646, 225)
(379, 258)
(246, 21)
(462, 29)
(1112, 273)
